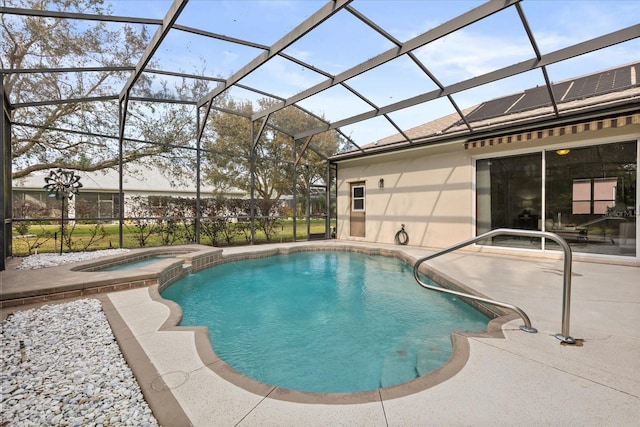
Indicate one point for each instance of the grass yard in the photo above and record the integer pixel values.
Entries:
(89, 237)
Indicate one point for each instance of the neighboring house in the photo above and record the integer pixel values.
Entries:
(523, 166)
(98, 197)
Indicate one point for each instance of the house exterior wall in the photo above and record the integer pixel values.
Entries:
(432, 190)
(427, 190)
(102, 188)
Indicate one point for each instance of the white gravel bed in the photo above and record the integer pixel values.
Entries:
(52, 260)
(61, 365)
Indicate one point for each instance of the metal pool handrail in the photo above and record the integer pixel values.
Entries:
(566, 297)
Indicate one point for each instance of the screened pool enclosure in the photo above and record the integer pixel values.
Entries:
(256, 98)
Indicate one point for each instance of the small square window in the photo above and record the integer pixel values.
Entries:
(357, 198)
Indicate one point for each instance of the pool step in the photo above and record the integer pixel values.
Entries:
(399, 364)
(410, 358)
(432, 354)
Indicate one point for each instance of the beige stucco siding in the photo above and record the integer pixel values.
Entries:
(431, 189)
(428, 190)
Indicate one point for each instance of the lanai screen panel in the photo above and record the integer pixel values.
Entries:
(340, 42)
(150, 85)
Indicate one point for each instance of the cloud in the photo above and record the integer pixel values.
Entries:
(303, 55)
(466, 54)
(284, 78)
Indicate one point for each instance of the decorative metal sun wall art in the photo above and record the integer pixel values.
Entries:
(62, 184)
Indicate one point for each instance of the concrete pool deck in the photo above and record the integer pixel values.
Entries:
(524, 379)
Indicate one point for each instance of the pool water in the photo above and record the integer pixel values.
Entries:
(323, 322)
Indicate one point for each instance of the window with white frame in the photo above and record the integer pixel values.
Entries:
(357, 198)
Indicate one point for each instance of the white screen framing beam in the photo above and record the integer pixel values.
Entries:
(82, 16)
(300, 31)
(448, 27)
(161, 33)
(294, 35)
(588, 46)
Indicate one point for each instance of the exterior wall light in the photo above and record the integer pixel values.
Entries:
(563, 152)
(381, 183)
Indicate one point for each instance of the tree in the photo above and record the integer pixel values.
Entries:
(312, 164)
(41, 139)
(229, 157)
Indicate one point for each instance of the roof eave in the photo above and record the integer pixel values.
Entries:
(627, 105)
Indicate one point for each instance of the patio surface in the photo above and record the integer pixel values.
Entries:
(524, 379)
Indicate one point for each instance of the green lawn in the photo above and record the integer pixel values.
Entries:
(45, 238)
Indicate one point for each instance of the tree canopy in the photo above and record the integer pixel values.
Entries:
(79, 129)
(229, 157)
(83, 135)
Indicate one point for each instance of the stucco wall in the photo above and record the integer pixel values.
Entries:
(428, 190)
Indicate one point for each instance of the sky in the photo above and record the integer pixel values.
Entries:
(344, 41)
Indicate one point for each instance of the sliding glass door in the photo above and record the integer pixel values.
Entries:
(588, 197)
(591, 197)
(509, 195)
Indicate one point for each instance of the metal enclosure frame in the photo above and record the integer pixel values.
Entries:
(539, 62)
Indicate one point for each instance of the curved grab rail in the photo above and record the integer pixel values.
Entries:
(564, 336)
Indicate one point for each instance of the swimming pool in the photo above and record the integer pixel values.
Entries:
(324, 322)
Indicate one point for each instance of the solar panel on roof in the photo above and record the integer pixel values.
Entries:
(533, 98)
(493, 108)
(598, 84)
(582, 87)
(622, 78)
(605, 83)
(559, 89)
